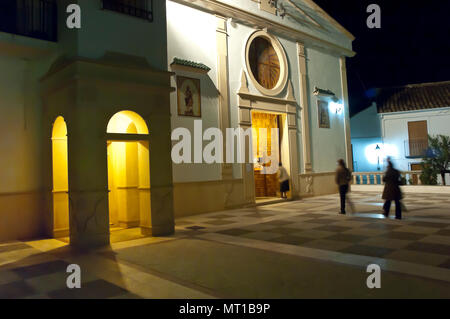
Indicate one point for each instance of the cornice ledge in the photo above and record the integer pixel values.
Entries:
(262, 98)
(248, 18)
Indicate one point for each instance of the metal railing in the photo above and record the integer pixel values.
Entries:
(137, 8)
(416, 147)
(31, 18)
(376, 178)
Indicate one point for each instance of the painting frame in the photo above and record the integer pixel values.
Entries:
(189, 97)
(323, 114)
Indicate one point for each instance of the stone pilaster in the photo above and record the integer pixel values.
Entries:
(293, 153)
(223, 85)
(348, 142)
(163, 220)
(304, 103)
(88, 181)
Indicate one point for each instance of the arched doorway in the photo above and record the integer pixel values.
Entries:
(60, 179)
(128, 173)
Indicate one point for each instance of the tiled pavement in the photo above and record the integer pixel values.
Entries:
(422, 236)
(418, 245)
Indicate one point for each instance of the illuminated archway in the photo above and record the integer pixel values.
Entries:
(60, 178)
(120, 123)
(128, 171)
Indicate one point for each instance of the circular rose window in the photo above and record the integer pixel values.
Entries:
(266, 63)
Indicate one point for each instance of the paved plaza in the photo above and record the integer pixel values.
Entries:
(298, 249)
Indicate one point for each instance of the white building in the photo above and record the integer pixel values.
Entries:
(87, 114)
(399, 123)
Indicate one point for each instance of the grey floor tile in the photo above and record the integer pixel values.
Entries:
(219, 222)
(283, 230)
(234, 232)
(367, 250)
(291, 240)
(381, 225)
(347, 237)
(429, 248)
(332, 228)
(41, 269)
(324, 221)
(443, 232)
(98, 289)
(446, 264)
(429, 224)
(257, 215)
(404, 235)
(277, 222)
(220, 216)
(15, 290)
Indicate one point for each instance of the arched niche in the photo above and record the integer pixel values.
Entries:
(128, 172)
(60, 178)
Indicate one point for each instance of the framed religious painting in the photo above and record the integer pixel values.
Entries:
(324, 114)
(189, 97)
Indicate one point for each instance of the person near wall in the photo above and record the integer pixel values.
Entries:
(392, 181)
(283, 178)
(343, 178)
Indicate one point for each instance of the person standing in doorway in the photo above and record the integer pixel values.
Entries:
(283, 178)
(392, 192)
(343, 178)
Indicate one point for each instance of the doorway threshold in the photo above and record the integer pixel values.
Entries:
(261, 201)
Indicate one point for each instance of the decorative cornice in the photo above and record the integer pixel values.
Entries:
(251, 19)
(269, 99)
(321, 92)
(330, 19)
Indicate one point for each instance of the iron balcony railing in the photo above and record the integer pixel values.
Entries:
(31, 18)
(416, 147)
(137, 8)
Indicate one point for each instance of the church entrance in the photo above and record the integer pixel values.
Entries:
(268, 145)
(128, 176)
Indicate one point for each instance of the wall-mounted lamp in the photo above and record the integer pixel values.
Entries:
(335, 106)
(377, 152)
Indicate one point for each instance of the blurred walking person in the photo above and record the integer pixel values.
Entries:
(343, 178)
(392, 181)
(283, 178)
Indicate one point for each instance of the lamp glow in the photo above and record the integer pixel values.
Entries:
(376, 154)
(336, 107)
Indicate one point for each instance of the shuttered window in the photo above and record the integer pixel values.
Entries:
(418, 138)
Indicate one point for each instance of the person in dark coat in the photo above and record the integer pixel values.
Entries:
(283, 178)
(392, 192)
(343, 178)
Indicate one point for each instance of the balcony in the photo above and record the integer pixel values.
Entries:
(31, 18)
(142, 9)
(416, 148)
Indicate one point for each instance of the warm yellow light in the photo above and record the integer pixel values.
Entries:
(129, 173)
(60, 178)
(120, 123)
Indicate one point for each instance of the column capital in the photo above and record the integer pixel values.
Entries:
(301, 49)
(221, 24)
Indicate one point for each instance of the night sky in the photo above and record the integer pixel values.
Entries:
(412, 45)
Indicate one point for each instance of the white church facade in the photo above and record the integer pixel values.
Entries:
(87, 114)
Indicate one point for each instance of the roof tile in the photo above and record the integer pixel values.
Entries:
(413, 97)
